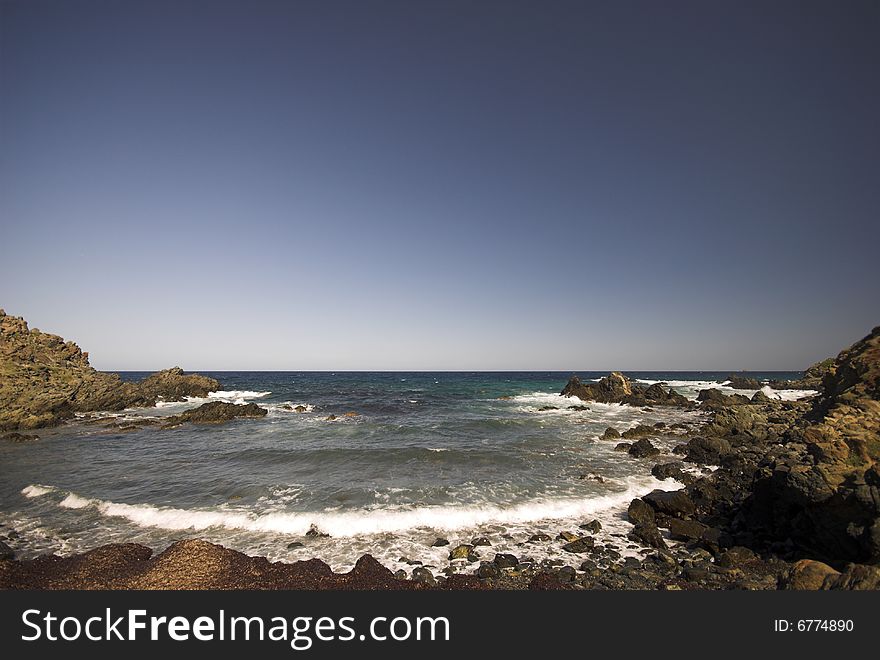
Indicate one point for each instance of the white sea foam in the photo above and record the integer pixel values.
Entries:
(230, 396)
(73, 501)
(364, 521)
(37, 490)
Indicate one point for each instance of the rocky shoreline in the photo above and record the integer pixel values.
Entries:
(788, 497)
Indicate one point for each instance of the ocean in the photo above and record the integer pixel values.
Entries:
(424, 455)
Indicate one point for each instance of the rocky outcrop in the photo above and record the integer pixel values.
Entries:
(45, 380)
(216, 412)
(797, 480)
(811, 380)
(617, 388)
(743, 383)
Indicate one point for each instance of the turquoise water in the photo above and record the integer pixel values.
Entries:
(457, 455)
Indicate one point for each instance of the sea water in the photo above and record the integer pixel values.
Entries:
(424, 455)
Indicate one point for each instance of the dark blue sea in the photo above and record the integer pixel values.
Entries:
(407, 458)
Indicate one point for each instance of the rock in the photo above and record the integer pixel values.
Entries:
(583, 544)
(566, 574)
(314, 532)
(708, 451)
(350, 414)
(594, 526)
(300, 409)
(330, 418)
(400, 574)
(617, 388)
(610, 434)
(217, 412)
(488, 570)
(760, 397)
(567, 536)
(639, 431)
(640, 512)
(295, 544)
(623, 446)
(671, 471)
(461, 551)
(20, 437)
(809, 575)
(45, 381)
(175, 385)
(648, 534)
(480, 540)
(424, 575)
(439, 542)
(6, 552)
(539, 538)
(736, 556)
(743, 383)
(643, 449)
(686, 530)
(855, 577)
(503, 560)
(675, 503)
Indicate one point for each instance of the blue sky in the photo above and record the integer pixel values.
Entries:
(442, 185)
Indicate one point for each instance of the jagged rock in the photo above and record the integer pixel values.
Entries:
(648, 534)
(617, 388)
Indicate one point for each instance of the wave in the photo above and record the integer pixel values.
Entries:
(37, 490)
(362, 521)
(230, 396)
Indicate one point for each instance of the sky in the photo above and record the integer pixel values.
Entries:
(442, 185)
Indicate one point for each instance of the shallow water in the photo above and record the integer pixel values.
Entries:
(457, 455)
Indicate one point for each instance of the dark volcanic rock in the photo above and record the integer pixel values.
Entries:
(648, 534)
(672, 503)
(217, 412)
(643, 449)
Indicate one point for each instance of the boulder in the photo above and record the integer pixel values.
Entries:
(686, 530)
(640, 512)
(676, 503)
(583, 544)
(647, 534)
(707, 451)
(610, 434)
(643, 449)
(504, 560)
(462, 551)
(809, 575)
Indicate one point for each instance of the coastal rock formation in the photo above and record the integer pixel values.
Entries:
(811, 380)
(798, 480)
(216, 412)
(743, 383)
(45, 380)
(617, 388)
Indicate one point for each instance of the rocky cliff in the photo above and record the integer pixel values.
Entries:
(45, 380)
